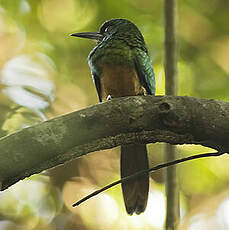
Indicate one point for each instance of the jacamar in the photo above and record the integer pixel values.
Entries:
(120, 66)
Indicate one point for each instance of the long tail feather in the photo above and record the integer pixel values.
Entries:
(135, 192)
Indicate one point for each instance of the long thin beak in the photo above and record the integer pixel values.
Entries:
(91, 35)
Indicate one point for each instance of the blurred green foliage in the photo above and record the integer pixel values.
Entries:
(44, 74)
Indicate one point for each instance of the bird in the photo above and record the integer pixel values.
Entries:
(120, 66)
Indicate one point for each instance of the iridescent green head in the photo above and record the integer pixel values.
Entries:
(122, 28)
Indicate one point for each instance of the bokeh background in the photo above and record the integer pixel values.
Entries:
(44, 74)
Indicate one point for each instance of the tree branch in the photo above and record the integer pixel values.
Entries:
(141, 173)
(170, 63)
(142, 119)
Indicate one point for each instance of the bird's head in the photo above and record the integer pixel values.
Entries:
(122, 28)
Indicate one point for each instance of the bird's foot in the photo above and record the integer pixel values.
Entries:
(109, 97)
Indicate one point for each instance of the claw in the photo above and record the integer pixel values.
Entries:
(109, 97)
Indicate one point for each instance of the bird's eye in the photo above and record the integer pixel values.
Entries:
(107, 29)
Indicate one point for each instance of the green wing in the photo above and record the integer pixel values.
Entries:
(145, 71)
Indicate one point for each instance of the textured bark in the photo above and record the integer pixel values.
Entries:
(142, 119)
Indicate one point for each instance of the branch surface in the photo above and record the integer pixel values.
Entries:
(142, 119)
